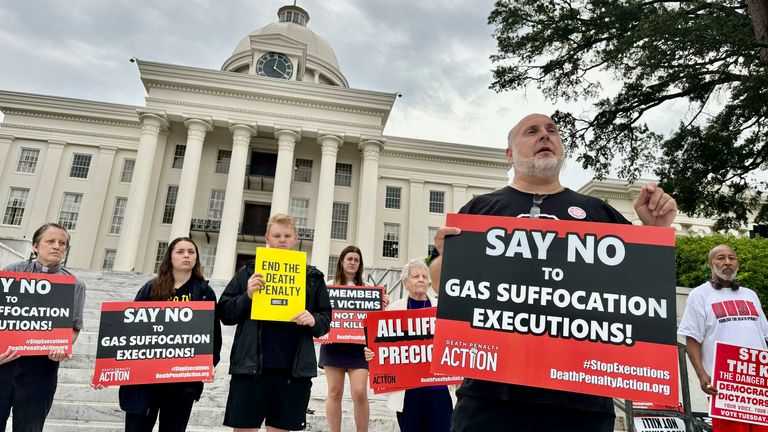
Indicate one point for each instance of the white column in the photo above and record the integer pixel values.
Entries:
(417, 228)
(130, 232)
(5, 147)
(144, 246)
(226, 247)
(185, 200)
(366, 212)
(321, 245)
(44, 198)
(94, 203)
(459, 196)
(281, 195)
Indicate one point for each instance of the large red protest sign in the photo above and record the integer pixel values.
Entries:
(576, 306)
(351, 305)
(740, 377)
(36, 312)
(154, 342)
(401, 341)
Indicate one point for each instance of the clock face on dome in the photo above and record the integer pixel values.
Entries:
(274, 65)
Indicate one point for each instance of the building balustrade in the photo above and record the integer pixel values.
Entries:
(260, 174)
(205, 225)
(251, 229)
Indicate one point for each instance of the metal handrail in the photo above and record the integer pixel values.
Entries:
(390, 288)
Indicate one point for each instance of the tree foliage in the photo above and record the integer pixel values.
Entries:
(704, 53)
(692, 268)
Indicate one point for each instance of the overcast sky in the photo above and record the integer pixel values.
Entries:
(436, 53)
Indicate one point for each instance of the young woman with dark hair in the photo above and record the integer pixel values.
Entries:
(339, 359)
(179, 278)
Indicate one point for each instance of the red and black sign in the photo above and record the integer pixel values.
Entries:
(734, 308)
(740, 376)
(154, 342)
(577, 306)
(351, 305)
(401, 341)
(36, 312)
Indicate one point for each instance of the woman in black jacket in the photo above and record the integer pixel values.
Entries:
(179, 278)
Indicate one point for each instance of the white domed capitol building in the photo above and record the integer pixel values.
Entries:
(213, 153)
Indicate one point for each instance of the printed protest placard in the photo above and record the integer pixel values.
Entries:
(402, 344)
(351, 305)
(576, 306)
(283, 295)
(36, 312)
(154, 342)
(659, 424)
(739, 376)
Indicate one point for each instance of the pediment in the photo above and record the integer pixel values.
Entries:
(279, 43)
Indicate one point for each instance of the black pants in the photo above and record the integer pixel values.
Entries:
(426, 411)
(475, 414)
(27, 386)
(173, 412)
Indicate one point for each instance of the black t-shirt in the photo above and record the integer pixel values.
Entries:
(564, 205)
(280, 341)
(183, 293)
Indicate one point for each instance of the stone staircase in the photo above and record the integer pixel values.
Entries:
(77, 407)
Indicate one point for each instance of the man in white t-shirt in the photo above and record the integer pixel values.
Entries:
(705, 321)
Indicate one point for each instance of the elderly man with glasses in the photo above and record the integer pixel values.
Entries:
(536, 154)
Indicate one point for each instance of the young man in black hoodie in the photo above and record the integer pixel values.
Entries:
(272, 363)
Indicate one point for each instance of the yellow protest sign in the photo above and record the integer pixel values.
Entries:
(285, 276)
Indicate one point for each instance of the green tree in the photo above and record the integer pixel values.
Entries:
(692, 253)
(709, 54)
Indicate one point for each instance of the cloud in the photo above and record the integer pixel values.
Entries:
(435, 52)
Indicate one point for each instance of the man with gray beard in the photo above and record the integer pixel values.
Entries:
(707, 319)
(536, 154)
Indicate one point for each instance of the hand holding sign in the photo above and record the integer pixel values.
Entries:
(8, 356)
(440, 235)
(58, 354)
(304, 318)
(255, 282)
(705, 381)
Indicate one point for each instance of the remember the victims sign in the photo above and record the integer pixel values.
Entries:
(576, 306)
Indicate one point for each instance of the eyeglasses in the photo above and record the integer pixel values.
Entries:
(535, 210)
